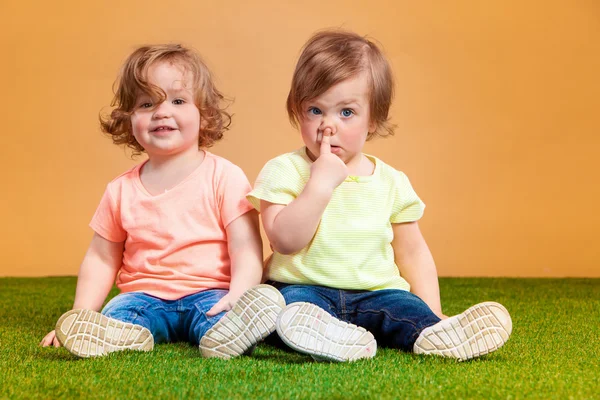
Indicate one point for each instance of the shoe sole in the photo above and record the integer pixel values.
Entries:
(250, 320)
(87, 333)
(480, 330)
(309, 329)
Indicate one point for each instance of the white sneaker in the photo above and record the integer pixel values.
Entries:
(250, 320)
(87, 333)
(309, 329)
(479, 330)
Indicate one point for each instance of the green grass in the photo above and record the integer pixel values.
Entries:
(554, 352)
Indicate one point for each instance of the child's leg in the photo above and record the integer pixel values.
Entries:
(399, 319)
(308, 324)
(250, 320)
(196, 323)
(481, 329)
(160, 317)
(396, 317)
(87, 333)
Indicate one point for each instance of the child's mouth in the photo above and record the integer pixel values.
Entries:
(162, 128)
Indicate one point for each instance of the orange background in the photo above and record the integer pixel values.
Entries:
(497, 111)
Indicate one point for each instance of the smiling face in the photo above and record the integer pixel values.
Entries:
(344, 109)
(171, 127)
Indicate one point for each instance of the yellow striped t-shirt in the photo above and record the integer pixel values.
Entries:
(351, 248)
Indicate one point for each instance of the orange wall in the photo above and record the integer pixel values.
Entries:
(497, 111)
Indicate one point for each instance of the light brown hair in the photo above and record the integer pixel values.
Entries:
(133, 79)
(332, 56)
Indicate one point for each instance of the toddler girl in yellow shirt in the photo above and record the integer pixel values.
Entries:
(349, 257)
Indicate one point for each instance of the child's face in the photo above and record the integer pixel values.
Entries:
(171, 127)
(344, 108)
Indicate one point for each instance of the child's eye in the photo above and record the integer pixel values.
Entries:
(347, 112)
(314, 111)
(146, 105)
(178, 101)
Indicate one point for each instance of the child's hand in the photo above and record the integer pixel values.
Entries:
(50, 340)
(328, 170)
(225, 304)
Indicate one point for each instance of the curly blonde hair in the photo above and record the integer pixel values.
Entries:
(332, 56)
(133, 79)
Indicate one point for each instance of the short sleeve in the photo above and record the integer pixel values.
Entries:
(279, 182)
(407, 206)
(106, 221)
(232, 188)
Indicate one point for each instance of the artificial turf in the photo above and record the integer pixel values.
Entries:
(554, 352)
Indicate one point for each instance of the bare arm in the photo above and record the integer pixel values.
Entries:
(97, 273)
(291, 227)
(96, 276)
(416, 265)
(245, 252)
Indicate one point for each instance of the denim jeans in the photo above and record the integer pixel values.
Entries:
(395, 317)
(168, 320)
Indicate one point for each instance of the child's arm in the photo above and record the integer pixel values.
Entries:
(95, 279)
(245, 252)
(291, 227)
(416, 265)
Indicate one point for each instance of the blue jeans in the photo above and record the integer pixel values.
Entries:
(168, 320)
(395, 317)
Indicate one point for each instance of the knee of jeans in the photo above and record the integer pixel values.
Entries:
(298, 293)
(122, 315)
(124, 307)
(308, 294)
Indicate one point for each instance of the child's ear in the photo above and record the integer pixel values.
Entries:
(203, 123)
(372, 126)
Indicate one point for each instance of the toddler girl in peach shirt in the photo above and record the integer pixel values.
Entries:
(176, 232)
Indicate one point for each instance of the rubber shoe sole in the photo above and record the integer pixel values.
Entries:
(480, 330)
(87, 333)
(309, 329)
(251, 319)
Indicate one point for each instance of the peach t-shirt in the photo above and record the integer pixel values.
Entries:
(175, 242)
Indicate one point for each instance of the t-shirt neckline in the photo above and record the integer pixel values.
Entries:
(142, 188)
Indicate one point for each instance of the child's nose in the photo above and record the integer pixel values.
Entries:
(162, 110)
(327, 123)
